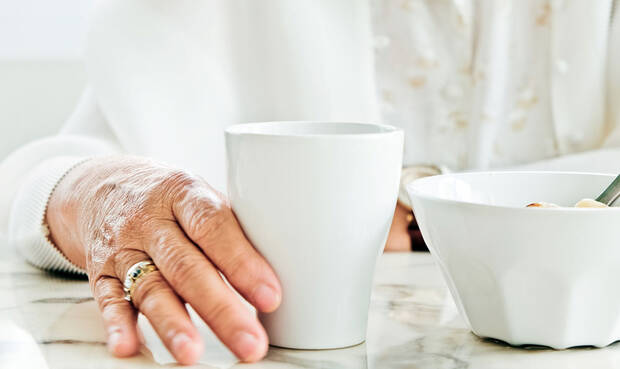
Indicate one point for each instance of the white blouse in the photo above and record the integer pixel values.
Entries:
(474, 84)
(484, 84)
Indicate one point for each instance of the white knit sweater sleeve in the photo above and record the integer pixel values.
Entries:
(27, 228)
(29, 175)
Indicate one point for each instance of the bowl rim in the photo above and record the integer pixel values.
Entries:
(412, 191)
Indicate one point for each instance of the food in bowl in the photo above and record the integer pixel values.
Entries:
(583, 203)
(520, 276)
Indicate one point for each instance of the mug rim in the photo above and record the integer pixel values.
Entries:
(254, 129)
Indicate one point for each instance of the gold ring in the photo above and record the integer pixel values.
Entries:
(135, 272)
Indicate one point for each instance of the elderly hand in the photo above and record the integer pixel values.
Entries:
(108, 214)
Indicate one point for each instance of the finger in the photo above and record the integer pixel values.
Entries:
(119, 317)
(210, 223)
(198, 282)
(154, 298)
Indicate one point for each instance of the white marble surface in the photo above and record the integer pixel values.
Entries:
(47, 321)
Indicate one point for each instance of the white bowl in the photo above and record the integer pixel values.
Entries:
(525, 276)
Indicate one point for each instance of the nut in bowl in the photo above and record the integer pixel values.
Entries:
(526, 276)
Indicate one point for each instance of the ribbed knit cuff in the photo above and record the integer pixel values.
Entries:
(28, 232)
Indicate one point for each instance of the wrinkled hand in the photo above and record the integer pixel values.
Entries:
(108, 214)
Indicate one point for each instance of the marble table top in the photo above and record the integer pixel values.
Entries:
(49, 321)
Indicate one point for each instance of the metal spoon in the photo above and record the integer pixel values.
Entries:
(611, 193)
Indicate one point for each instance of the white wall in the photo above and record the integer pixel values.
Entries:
(41, 75)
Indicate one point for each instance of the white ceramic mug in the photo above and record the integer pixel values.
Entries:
(316, 199)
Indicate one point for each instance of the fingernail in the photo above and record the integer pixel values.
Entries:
(266, 298)
(114, 339)
(186, 349)
(245, 346)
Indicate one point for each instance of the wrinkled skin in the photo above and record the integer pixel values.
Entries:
(110, 213)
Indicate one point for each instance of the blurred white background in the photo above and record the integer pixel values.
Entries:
(41, 74)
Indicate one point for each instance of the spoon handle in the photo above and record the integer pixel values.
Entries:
(611, 193)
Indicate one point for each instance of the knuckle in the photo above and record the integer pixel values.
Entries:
(109, 298)
(111, 304)
(221, 311)
(101, 286)
(177, 180)
(207, 223)
(244, 267)
(200, 209)
(183, 266)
